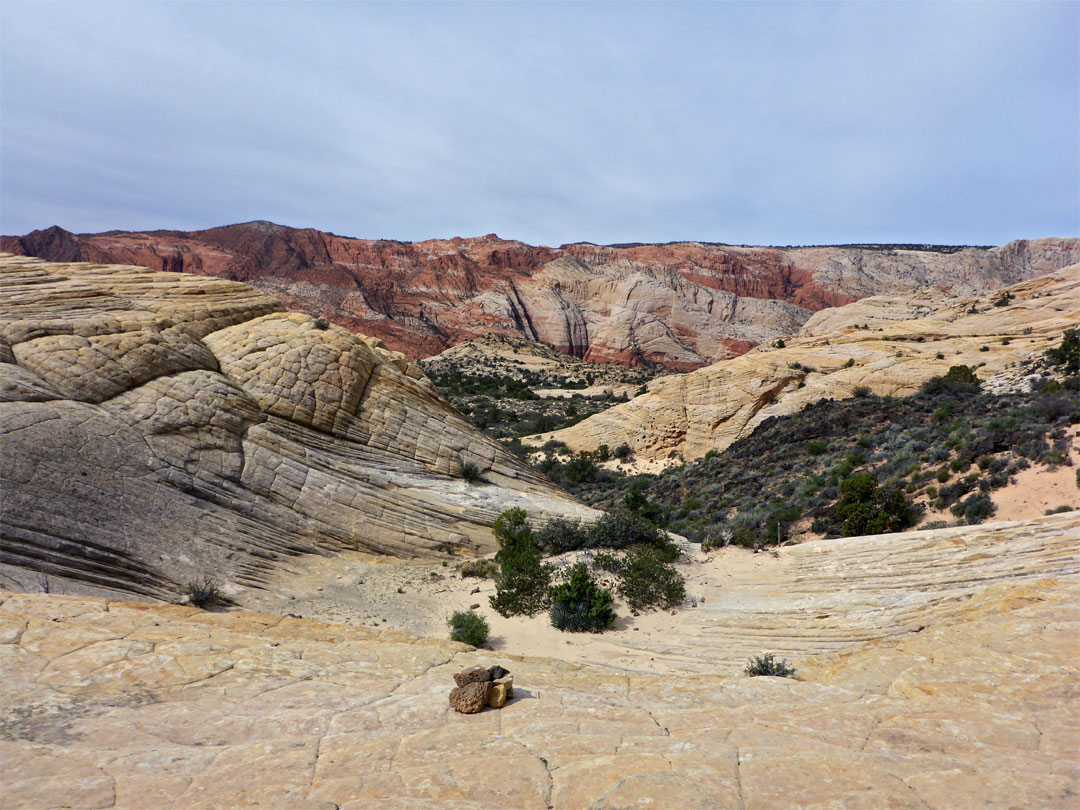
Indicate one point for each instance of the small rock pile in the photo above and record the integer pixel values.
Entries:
(478, 687)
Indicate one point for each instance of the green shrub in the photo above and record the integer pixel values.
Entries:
(767, 665)
(816, 447)
(867, 508)
(579, 605)
(850, 362)
(779, 343)
(975, 508)
(468, 627)
(957, 381)
(620, 529)
(322, 324)
(469, 471)
(623, 452)
(560, 535)
(1068, 353)
(648, 580)
(860, 392)
(521, 584)
(606, 561)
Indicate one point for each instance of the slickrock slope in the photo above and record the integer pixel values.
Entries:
(683, 304)
(159, 427)
(938, 671)
(884, 344)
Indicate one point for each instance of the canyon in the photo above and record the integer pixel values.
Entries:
(684, 305)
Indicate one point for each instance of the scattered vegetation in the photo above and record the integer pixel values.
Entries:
(767, 665)
(322, 324)
(468, 627)
(932, 450)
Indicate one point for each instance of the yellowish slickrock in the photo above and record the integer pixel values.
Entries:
(158, 428)
(887, 345)
(937, 670)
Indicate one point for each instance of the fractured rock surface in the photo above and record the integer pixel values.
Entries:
(886, 345)
(161, 427)
(938, 670)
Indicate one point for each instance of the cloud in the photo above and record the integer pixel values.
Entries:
(753, 123)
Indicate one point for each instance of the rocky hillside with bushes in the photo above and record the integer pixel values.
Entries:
(870, 347)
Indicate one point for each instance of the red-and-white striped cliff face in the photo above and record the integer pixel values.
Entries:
(684, 304)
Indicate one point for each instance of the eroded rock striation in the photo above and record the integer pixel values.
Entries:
(937, 670)
(683, 304)
(887, 345)
(159, 427)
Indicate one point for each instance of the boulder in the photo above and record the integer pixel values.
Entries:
(471, 698)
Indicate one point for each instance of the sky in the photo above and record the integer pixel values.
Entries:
(746, 123)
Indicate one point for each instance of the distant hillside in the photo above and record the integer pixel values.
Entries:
(683, 304)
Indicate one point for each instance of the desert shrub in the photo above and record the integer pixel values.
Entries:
(468, 627)
(606, 561)
(1068, 353)
(816, 447)
(767, 665)
(935, 524)
(560, 535)
(322, 324)
(1003, 299)
(779, 343)
(623, 452)
(865, 507)
(957, 381)
(975, 508)
(620, 529)
(602, 453)
(469, 471)
(1057, 510)
(482, 568)
(205, 594)
(648, 580)
(581, 468)
(521, 584)
(850, 362)
(860, 391)
(637, 502)
(579, 605)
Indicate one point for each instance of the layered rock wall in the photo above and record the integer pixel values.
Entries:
(683, 304)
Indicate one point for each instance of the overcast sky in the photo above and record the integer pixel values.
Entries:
(762, 123)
